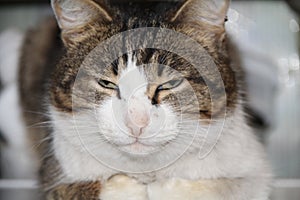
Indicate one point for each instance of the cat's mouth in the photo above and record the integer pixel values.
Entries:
(138, 147)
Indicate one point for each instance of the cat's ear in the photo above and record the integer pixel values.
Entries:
(73, 15)
(208, 11)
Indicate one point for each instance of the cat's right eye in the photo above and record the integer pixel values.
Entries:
(108, 84)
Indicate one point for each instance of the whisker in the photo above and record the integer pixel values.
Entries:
(40, 142)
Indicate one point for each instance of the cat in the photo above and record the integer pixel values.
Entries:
(117, 121)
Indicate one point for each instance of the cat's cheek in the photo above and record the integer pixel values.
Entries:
(121, 187)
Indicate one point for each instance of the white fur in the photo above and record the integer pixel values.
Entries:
(230, 189)
(236, 155)
(235, 170)
(132, 80)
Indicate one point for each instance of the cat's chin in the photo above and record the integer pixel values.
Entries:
(139, 149)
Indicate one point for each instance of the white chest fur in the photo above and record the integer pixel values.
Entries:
(237, 154)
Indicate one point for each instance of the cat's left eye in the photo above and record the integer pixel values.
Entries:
(108, 84)
(170, 84)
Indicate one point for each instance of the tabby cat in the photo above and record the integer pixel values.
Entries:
(139, 100)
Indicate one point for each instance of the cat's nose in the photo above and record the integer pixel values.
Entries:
(136, 121)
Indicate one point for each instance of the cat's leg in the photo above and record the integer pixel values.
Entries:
(75, 191)
(121, 187)
(219, 189)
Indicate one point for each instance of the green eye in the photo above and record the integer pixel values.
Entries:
(108, 84)
(170, 84)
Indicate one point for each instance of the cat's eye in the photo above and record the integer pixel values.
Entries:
(170, 84)
(108, 84)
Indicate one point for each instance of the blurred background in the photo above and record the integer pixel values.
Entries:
(267, 34)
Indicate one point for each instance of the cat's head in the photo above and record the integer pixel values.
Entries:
(144, 101)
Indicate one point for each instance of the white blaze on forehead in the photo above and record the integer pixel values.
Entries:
(132, 81)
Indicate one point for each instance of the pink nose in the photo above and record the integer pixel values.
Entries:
(136, 121)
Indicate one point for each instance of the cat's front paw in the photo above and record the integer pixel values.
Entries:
(179, 189)
(121, 187)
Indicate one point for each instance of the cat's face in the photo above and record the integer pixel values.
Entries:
(134, 107)
(146, 101)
